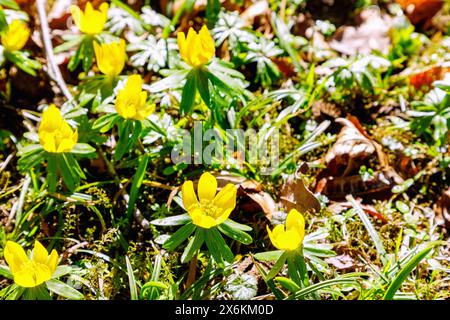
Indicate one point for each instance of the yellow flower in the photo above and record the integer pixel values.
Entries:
(32, 272)
(131, 100)
(110, 57)
(212, 209)
(55, 134)
(90, 21)
(198, 48)
(16, 36)
(290, 237)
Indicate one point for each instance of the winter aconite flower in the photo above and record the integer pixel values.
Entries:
(110, 57)
(55, 134)
(196, 49)
(16, 36)
(32, 272)
(131, 102)
(90, 21)
(289, 237)
(210, 209)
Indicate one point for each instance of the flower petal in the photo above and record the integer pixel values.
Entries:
(226, 198)
(52, 261)
(202, 220)
(15, 256)
(207, 187)
(40, 254)
(188, 194)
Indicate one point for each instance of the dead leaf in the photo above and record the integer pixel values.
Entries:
(426, 77)
(341, 262)
(379, 185)
(370, 35)
(295, 195)
(349, 150)
(420, 10)
(257, 9)
(442, 209)
(260, 200)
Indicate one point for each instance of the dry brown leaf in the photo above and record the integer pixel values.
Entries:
(420, 10)
(427, 77)
(260, 200)
(370, 35)
(295, 195)
(342, 262)
(257, 9)
(379, 185)
(442, 209)
(350, 149)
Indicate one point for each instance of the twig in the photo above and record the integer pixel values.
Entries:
(53, 71)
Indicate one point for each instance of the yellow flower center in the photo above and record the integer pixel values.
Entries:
(209, 208)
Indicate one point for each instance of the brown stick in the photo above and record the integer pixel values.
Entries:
(53, 69)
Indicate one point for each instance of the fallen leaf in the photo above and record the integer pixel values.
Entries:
(427, 77)
(442, 209)
(420, 10)
(349, 150)
(295, 195)
(370, 35)
(379, 185)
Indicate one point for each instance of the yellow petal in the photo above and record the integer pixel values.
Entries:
(224, 216)
(289, 240)
(207, 187)
(181, 39)
(51, 119)
(226, 198)
(53, 261)
(296, 222)
(202, 220)
(272, 238)
(77, 15)
(15, 256)
(40, 254)
(188, 194)
(32, 275)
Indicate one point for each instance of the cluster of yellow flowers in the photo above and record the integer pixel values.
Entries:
(56, 136)
(211, 209)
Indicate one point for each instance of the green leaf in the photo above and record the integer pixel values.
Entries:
(202, 84)
(370, 229)
(234, 225)
(105, 122)
(235, 234)
(52, 169)
(212, 12)
(221, 245)
(64, 290)
(136, 184)
(179, 236)
(131, 280)
(288, 284)
(321, 285)
(10, 4)
(172, 221)
(5, 272)
(269, 255)
(82, 148)
(277, 266)
(61, 271)
(407, 269)
(194, 245)
(188, 94)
